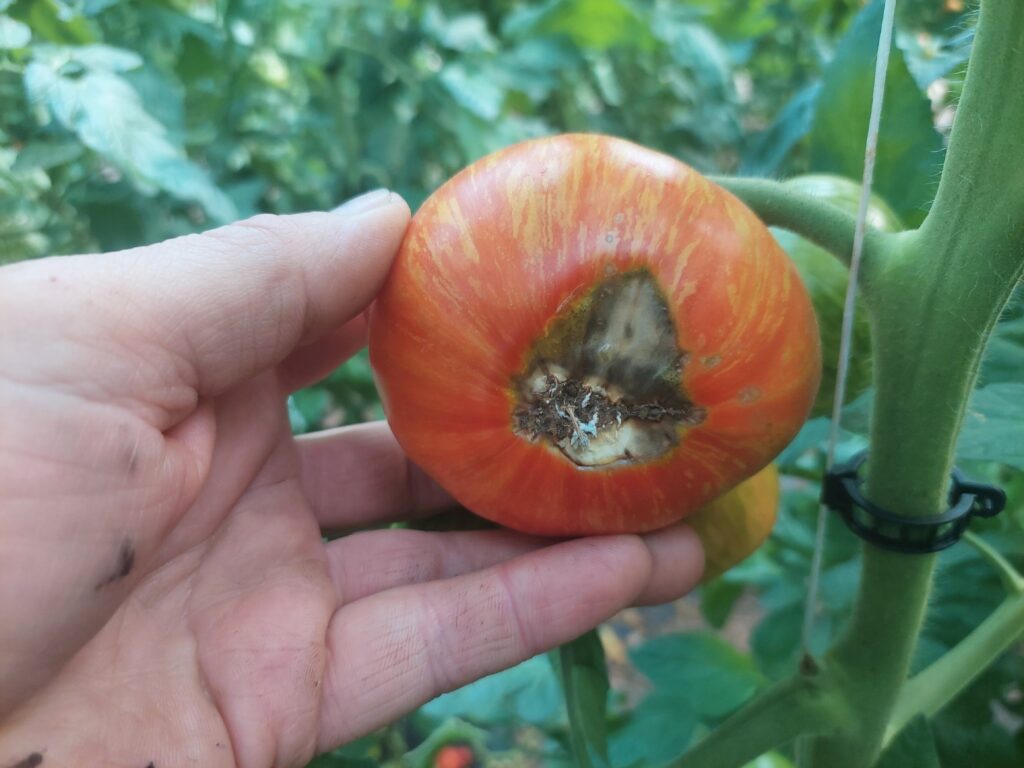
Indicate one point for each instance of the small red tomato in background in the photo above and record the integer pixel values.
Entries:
(455, 756)
(580, 335)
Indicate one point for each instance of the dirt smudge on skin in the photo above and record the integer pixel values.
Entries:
(125, 563)
(36, 758)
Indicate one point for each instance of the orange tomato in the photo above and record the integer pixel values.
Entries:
(580, 335)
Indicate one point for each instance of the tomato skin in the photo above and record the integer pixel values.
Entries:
(495, 254)
(735, 524)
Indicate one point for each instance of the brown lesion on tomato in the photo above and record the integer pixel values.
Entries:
(604, 383)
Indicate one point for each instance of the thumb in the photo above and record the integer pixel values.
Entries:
(221, 306)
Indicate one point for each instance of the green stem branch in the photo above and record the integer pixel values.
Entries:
(932, 689)
(819, 221)
(1013, 581)
(979, 205)
(802, 705)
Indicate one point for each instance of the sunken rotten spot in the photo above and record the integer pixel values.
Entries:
(604, 384)
(125, 563)
(31, 761)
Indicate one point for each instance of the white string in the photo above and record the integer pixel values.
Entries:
(846, 334)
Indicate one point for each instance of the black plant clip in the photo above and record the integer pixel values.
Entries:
(911, 535)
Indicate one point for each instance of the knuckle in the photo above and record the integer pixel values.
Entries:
(265, 241)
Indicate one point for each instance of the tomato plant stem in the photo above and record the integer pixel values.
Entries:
(819, 221)
(979, 204)
(934, 295)
(934, 298)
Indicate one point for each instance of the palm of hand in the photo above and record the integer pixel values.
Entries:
(219, 583)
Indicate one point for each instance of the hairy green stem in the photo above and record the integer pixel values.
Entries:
(806, 703)
(932, 689)
(979, 205)
(819, 221)
(934, 298)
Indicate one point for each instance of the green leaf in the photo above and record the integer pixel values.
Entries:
(46, 154)
(994, 426)
(534, 66)
(55, 22)
(695, 47)
(767, 150)
(909, 148)
(1004, 356)
(332, 760)
(968, 746)
(812, 434)
(527, 692)
(474, 90)
(776, 640)
(770, 760)
(477, 142)
(94, 7)
(717, 599)
(466, 32)
(930, 57)
(83, 90)
(581, 668)
(312, 403)
(657, 732)
(13, 34)
(592, 24)
(913, 748)
(296, 420)
(699, 670)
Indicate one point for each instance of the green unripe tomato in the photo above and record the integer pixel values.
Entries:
(826, 279)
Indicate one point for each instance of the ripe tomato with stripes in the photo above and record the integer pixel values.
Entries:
(580, 335)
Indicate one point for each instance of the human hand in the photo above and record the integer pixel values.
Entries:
(165, 593)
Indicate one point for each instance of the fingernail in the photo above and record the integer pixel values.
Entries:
(365, 202)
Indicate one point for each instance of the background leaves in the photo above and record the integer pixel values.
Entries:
(909, 148)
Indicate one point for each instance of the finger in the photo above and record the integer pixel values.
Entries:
(366, 563)
(678, 564)
(398, 649)
(260, 287)
(359, 475)
(191, 317)
(314, 361)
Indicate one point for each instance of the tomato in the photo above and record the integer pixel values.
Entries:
(455, 756)
(735, 524)
(826, 278)
(580, 335)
